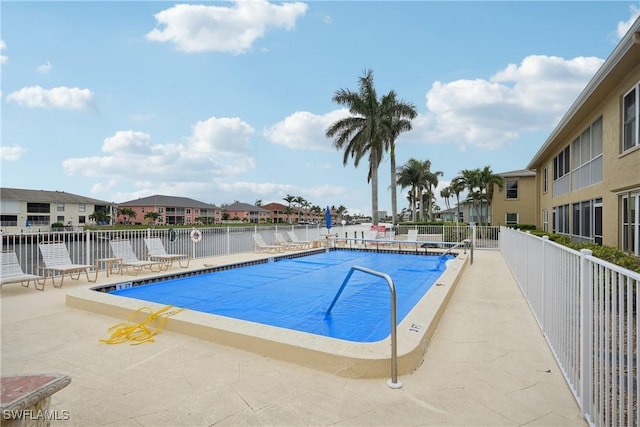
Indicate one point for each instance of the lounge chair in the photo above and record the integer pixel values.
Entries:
(56, 259)
(12, 272)
(294, 239)
(261, 246)
(122, 249)
(157, 252)
(287, 245)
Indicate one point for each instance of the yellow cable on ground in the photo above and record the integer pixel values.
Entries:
(140, 332)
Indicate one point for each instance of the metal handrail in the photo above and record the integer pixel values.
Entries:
(393, 382)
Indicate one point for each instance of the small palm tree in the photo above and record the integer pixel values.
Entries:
(153, 217)
(289, 199)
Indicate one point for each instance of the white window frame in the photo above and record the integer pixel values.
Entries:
(506, 193)
(630, 120)
(506, 218)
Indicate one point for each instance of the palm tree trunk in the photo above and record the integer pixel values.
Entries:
(394, 185)
(374, 194)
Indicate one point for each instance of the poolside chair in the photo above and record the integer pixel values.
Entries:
(287, 245)
(122, 249)
(261, 246)
(56, 260)
(12, 272)
(292, 236)
(156, 251)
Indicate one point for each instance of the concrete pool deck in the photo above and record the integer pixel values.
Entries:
(487, 364)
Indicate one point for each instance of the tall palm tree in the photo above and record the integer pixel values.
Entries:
(471, 180)
(457, 186)
(362, 133)
(445, 193)
(299, 200)
(289, 199)
(409, 176)
(487, 181)
(397, 116)
(429, 183)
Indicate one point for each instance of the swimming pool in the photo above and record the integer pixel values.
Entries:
(295, 293)
(347, 356)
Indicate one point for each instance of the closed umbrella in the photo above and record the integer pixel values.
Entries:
(327, 218)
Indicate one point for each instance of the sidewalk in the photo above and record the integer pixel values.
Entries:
(487, 364)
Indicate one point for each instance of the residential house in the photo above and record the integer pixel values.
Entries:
(246, 212)
(23, 210)
(171, 211)
(278, 212)
(516, 203)
(588, 169)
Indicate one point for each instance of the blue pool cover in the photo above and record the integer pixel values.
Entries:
(295, 293)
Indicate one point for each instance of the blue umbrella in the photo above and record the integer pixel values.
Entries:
(327, 218)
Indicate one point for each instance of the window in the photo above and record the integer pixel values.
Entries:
(60, 219)
(545, 220)
(561, 219)
(60, 207)
(630, 119)
(39, 208)
(587, 221)
(82, 207)
(561, 168)
(82, 219)
(545, 179)
(8, 220)
(511, 218)
(587, 156)
(512, 188)
(561, 164)
(631, 223)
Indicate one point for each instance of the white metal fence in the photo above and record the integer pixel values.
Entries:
(587, 309)
(87, 246)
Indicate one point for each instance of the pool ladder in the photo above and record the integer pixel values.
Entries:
(393, 382)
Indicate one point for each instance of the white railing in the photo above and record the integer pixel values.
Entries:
(587, 309)
(87, 246)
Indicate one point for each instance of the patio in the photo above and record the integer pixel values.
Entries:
(488, 364)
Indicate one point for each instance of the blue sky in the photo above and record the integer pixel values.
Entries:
(224, 101)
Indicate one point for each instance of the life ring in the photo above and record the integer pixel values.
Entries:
(196, 235)
(172, 235)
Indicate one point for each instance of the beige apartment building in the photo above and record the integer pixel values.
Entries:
(588, 170)
(516, 203)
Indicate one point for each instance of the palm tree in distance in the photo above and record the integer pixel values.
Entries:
(429, 183)
(409, 176)
(362, 133)
(457, 186)
(289, 199)
(398, 116)
(487, 181)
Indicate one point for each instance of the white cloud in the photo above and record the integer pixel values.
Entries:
(624, 26)
(217, 147)
(304, 130)
(11, 153)
(63, 98)
(3, 58)
(531, 96)
(45, 68)
(201, 28)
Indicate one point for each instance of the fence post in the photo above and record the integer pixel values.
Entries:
(586, 331)
(473, 235)
(543, 263)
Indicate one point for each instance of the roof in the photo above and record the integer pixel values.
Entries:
(521, 172)
(167, 201)
(625, 57)
(274, 206)
(243, 207)
(47, 196)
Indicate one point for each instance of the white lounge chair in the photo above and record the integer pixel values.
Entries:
(412, 235)
(294, 239)
(122, 249)
(56, 259)
(12, 272)
(157, 252)
(279, 240)
(261, 246)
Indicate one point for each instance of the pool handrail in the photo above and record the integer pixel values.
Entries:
(393, 382)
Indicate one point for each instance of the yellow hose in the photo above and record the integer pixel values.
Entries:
(140, 332)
